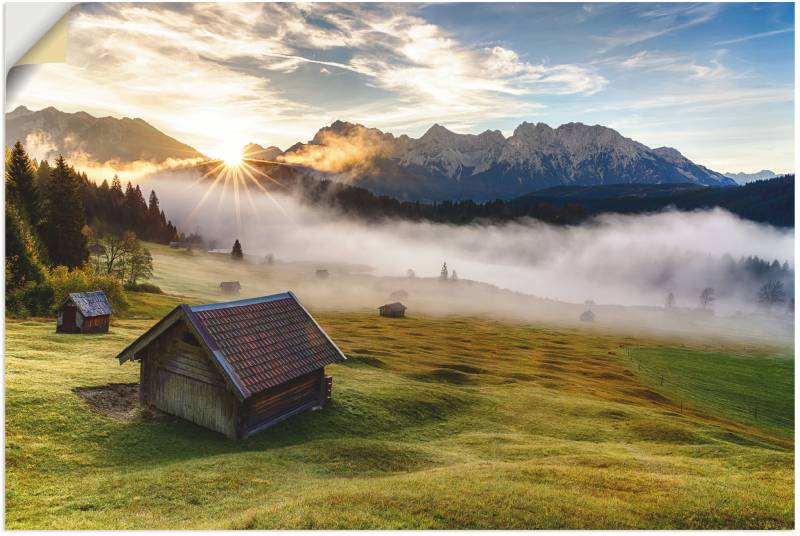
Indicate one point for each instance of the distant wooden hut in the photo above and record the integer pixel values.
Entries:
(175, 245)
(238, 367)
(84, 312)
(398, 295)
(230, 287)
(394, 310)
(322, 274)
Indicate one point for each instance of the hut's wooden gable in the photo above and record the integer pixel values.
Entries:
(178, 377)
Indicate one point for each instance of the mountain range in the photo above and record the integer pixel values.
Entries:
(101, 139)
(442, 164)
(439, 165)
(744, 178)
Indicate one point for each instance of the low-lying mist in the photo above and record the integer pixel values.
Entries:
(615, 259)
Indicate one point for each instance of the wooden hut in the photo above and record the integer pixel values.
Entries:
(84, 312)
(395, 310)
(238, 367)
(322, 274)
(230, 287)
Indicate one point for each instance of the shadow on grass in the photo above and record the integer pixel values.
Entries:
(408, 410)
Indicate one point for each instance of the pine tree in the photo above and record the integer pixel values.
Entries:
(236, 252)
(22, 261)
(117, 197)
(154, 219)
(21, 185)
(454, 276)
(443, 274)
(43, 176)
(61, 233)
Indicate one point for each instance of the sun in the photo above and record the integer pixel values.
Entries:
(230, 154)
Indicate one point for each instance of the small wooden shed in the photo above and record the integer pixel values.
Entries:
(238, 367)
(395, 310)
(323, 274)
(230, 287)
(84, 312)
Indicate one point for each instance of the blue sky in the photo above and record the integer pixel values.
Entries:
(715, 81)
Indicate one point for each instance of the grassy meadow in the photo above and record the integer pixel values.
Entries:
(436, 422)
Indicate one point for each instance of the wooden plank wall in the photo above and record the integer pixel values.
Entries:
(282, 399)
(178, 378)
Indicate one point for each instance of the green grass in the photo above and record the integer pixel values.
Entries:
(448, 422)
(753, 386)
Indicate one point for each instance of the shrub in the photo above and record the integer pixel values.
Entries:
(144, 287)
(32, 299)
(64, 281)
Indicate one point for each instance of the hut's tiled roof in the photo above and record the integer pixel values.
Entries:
(91, 304)
(258, 343)
(266, 341)
(396, 306)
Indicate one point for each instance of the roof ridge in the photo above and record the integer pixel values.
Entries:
(240, 303)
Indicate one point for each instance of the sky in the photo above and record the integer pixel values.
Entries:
(715, 81)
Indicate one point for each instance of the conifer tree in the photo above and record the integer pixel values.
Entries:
(443, 274)
(236, 252)
(154, 220)
(21, 185)
(117, 197)
(43, 176)
(61, 232)
(22, 261)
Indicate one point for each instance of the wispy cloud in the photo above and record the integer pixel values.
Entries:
(182, 66)
(750, 37)
(674, 63)
(655, 21)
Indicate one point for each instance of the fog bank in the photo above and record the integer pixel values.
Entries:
(615, 259)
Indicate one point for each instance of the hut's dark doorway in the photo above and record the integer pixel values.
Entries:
(69, 323)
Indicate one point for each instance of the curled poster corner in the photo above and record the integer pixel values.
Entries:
(52, 47)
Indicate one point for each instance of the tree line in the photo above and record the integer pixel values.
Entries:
(769, 201)
(56, 217)
(363, 204)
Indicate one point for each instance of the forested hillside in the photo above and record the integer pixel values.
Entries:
(770, 201)
(56, 220)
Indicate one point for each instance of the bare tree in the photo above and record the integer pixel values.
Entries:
(771, 293)
(707, 297)
(411, 274)
(670, 303)
(454, 276)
